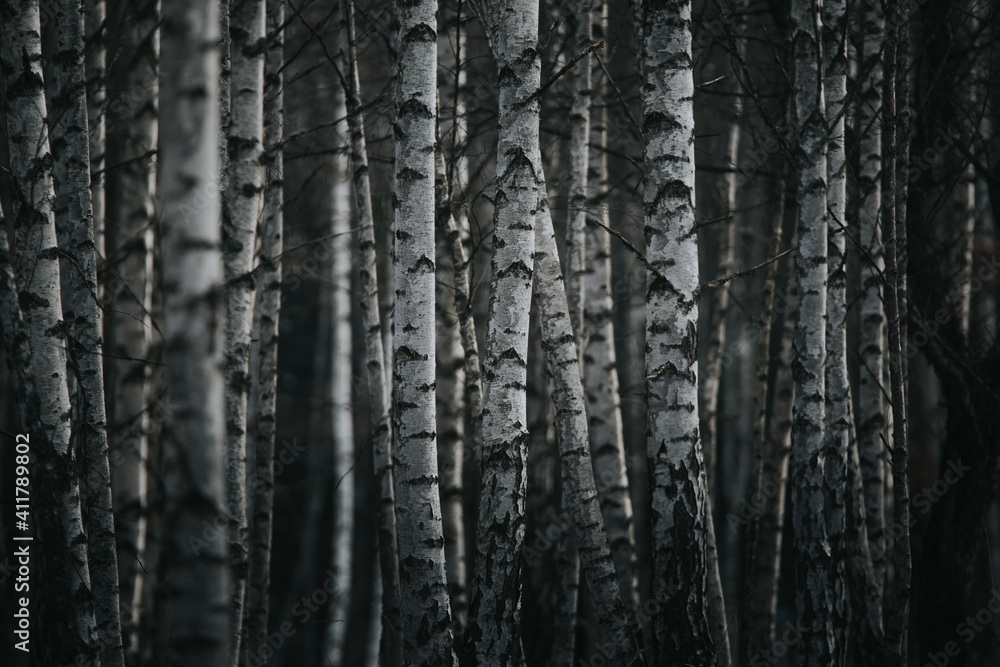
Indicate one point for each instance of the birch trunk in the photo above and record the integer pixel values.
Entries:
(426, 629)
(195, 573)
(65, 604)
(391, 653)
(450, 403)
(269, 304)
(676, 467)
(580, 495)
(71, 170)
(898, 607)
(340, 393)
(600, 372)
(814, 566)
(242, 202)
(131, 191)
(837, 426)
(871, 408)
(95, 37)
(496, 602)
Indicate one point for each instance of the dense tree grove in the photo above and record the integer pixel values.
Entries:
(519, 333)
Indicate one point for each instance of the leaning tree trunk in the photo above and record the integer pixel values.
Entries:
(64, 603)
(871, 405)
(95, 38)
(580, 497)
(195, 572)
(391, 654)
(242, 203)
(496, 602)
(130, 214)
(814, 566)
(74, 212)
(600, 372)
(340, 392)
(838, 426)
(426, 629)
(269, 304)
(677, 475)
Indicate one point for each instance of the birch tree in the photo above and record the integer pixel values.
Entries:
(676, 466)
(195, 573)
(65, 601)
(74, 213)
(241, 207)
(579, 486)
(130, 214)
(814, 566)
(269, 309)
(95, 35)
(391, 653)
(496, 602)
(600, 372)
(427, 633)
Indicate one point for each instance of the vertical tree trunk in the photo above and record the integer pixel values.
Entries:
(269, 304)
(427, 633)
(838, 425)
(340, 392)
(95, 39)
(71, 171)
(580, 496)
(677, 475)
(378, 396)
(242, 203)
(195, 571)
(871, 412)
(813, 595)
(65, 603)
(898, 607)
(496, 602)
(600, 372)
(131, 190)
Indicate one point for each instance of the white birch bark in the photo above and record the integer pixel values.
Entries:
(197, 606)
(391, 653)
(71, 172)
(676, 467)
(426, 629)
(269, 309)
(242, 203)
(600, 372)
(496, 602)
(814, 566)
(340, 391)
(871, 419)
(95, 36)
(838, 418)
(580, 495)
(65, 601)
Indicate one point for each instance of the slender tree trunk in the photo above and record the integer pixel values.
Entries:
(580, 497)
(340, 393)
(95, 39)
(871, 407)
(838, 418)
(814, 566)
(242, 203)
(64, 604)
(71, 171)
(600, 372)
(131, 191)
(567, 600)
(897, 608)
(195, 570)
(378, 396)
(496, 601)
(676, 467)
(426, 629)
(269, 304)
